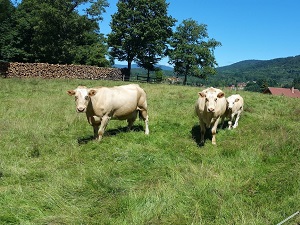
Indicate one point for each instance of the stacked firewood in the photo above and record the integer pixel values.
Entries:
(45, 70)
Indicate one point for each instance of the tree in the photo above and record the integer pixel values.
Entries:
(7, 22)
(253, 86)
(191, 51)
(140, 29)
(296, 82)
(53, 31)
(156, 27)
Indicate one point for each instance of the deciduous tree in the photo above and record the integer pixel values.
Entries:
(191, 51)
(140, 29)
(7, 31)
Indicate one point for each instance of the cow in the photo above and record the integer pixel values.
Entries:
(174, 80)
(210, 107)
(235, 106)
(104, 103)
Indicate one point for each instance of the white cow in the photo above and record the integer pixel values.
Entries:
(210, 107)
(174, 80)
(104, 103)
(235, 106)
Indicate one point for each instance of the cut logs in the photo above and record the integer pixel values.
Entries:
(50, 71)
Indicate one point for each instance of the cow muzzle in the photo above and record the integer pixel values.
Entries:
(80, 109)
(210, 109)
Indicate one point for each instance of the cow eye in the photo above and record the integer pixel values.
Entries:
(76, 98)
(86, 97)
(206, 99)
(216, 99)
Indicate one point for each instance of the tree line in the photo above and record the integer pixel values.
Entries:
(142, 32)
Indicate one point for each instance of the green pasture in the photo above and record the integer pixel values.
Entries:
(51, 172)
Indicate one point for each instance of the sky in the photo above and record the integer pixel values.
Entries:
(247, 29)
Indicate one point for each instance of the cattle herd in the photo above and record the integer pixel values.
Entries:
(125, 102)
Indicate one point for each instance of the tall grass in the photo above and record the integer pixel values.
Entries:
(52, 173)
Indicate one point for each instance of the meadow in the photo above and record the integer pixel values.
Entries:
(51, 172)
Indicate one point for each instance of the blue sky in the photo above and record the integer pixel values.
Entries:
(247, 29)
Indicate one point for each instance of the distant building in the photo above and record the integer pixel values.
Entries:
(288, 92)
(239, 86)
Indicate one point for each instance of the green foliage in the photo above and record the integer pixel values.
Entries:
(140, 30)
(51, 172)
(54, 32)
(191, 51)
(296, 82)
(281, 72)
(7, 31)
(159, 74)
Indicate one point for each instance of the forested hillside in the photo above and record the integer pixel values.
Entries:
(275, 72)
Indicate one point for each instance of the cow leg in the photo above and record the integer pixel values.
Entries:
(95, 122)
(202, 131)
(144, 116)
(214, 131)
(96, 129)
(230, 121)
(229, 124)
(104, 122)
(237, 120)
(131, 120)
(146, 125)
(223, 121)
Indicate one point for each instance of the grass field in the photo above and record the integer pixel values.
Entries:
(51, 172)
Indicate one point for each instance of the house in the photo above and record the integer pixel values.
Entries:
(288, 92)
(239, 86)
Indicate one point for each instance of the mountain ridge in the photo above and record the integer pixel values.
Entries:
(278, 72)
(135, 66)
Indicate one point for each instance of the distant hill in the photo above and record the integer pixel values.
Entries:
(135, 66)
(279, 70)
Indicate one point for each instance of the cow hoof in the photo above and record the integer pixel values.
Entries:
(98, 139)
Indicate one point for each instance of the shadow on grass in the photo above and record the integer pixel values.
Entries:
(110, 132)
(196, 133)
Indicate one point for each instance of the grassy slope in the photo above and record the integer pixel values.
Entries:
(51, 173)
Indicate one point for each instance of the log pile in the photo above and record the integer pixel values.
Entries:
(50, 71)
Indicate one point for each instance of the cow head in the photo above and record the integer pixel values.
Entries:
(81, 98)
(231, 102)
(211, 98)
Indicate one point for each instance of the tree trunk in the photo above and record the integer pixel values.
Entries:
(148, 76)
(127, 76)
(185, 79)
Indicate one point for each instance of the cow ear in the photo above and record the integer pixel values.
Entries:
(92, 92)
(221, 95)
(202, 94)
(237, 99)
(71, 92)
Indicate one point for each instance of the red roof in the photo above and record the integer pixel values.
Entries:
(289, 92)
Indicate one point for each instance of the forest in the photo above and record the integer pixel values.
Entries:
(280, 72)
